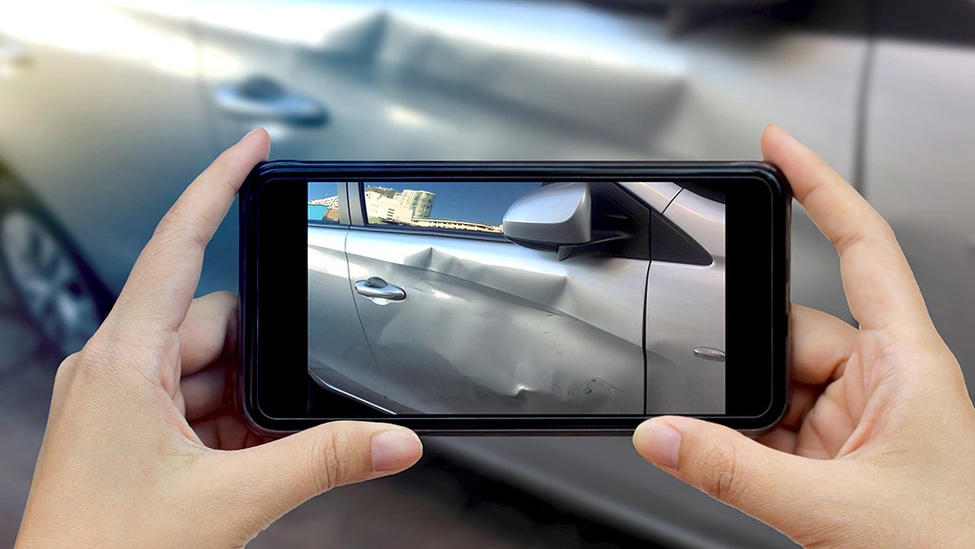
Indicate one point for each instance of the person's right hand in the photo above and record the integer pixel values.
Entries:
(878, 448)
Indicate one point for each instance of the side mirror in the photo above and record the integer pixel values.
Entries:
(559, 218)
(552, 216)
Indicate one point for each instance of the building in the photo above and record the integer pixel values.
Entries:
(421, 202)
(331, 204)
(384, 192)
(379, 205)
(454, 225)
(394, 206)
(330, 201)
(409, 207)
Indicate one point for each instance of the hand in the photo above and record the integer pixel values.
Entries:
(136, 448)
(878, 448)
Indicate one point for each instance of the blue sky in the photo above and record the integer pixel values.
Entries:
(321, 190)
(485, 202)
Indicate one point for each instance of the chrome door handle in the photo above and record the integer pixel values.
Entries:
(376, 288)
(262, 98)
(709, 353)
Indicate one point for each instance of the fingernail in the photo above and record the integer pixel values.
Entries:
(250, 133)
(393, 450)
(658, 443)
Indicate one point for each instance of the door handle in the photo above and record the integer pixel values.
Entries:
(709, 353)
(378, 290)
(264, 98)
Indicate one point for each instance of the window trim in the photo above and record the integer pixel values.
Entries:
(445, 233)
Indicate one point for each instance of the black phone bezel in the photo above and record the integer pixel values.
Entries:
(778, 239)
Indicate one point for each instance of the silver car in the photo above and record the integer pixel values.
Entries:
(107, 111)
(538, 335)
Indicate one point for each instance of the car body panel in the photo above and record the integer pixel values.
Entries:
(107, 124)
(339, 356)
(412, 80)
(658, 195)
(918, 171)
(505, 307)
(491, 327)
(686, 307)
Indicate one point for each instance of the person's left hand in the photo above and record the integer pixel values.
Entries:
(136, 448)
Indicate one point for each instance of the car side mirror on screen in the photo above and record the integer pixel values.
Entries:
(556, 217)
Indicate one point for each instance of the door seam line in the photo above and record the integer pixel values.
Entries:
(355, 303)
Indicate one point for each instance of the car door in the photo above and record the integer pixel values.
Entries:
(685, 305)
(486, 326)
(339, 358)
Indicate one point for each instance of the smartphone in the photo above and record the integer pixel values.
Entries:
(513, 298)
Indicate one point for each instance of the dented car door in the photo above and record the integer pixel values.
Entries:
(481, 325)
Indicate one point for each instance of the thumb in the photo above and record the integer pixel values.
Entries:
(769, 485)
(276, 477)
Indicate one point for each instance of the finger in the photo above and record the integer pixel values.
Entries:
(225, 430)
(780, 439)
(830, 423)
(209, 331)
(164, 278)
(203, 391)
(765, 483)
(277, 477)
(821, 345)
(879, 284)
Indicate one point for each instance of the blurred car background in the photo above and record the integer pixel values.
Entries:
(108, 109)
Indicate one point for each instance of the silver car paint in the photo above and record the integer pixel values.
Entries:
(560, 213)
(686, 310)
(491, 327)
(657, 195)
(338, 353)
(918, 173)
(108, 124)
(515, 347)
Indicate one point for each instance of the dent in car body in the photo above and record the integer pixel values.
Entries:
(493, 328)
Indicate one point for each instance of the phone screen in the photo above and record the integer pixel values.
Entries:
(543, 300)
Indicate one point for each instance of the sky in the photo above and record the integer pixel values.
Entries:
(321, 190)
(485, 202)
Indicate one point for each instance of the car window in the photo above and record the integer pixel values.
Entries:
(323, 203)
(457, 207)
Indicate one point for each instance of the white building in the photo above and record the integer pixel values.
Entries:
(398, 207)
(387, 208)
(455, 225)
(331, 202)
(421, 202)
